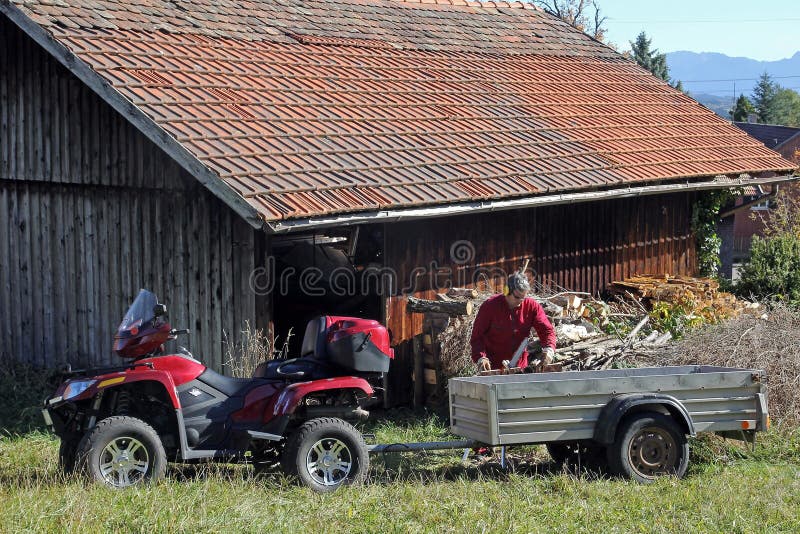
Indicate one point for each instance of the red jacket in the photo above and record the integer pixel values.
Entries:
(498, 330)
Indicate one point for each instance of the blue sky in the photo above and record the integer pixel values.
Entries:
(762, 29)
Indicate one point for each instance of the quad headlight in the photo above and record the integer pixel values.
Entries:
(77, 387)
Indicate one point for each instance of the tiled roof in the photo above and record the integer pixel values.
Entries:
(308, 108)
(771, 135)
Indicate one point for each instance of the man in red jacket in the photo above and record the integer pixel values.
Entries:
(502, 323)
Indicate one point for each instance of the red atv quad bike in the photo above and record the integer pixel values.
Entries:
(121, 425)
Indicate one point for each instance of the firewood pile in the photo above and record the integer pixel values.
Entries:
(699, 296)
(580, 346)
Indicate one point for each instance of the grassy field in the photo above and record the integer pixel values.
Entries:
(728, 489)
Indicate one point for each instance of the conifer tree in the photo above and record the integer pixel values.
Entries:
(649, 59)
(742, 109)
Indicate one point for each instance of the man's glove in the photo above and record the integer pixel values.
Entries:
(484, 364)
(548, 355)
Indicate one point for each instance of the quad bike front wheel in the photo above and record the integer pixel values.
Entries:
(326, 453)
(122, 451)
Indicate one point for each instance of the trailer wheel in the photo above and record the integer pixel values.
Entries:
(326, 453)
(649, 445)
(121, 452)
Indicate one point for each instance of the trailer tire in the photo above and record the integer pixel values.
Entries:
(122, 451)
(649, 445)
(326, 453)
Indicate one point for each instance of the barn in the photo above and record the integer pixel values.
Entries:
(255, 163)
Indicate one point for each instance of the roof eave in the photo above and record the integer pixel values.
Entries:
(134, 115)
(408, 214)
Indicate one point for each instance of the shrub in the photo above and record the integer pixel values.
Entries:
(23, 388)
(773, 271)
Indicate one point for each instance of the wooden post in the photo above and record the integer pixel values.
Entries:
(419, 374)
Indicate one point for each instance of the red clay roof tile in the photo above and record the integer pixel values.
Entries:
(325, 106)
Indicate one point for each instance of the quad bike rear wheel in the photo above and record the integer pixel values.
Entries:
(326, 453)
(122, 451)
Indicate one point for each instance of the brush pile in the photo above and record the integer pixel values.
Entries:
(770, 342)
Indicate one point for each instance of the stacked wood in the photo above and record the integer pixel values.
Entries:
(699, 296)
(448, 307)
(428, 376)
(462, 292)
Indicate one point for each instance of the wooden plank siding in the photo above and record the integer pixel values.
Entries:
(582, 247)
(90, 212)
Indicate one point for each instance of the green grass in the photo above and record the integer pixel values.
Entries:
(728, 489)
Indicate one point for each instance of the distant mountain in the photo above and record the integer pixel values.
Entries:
(718, 104)
(713, 73)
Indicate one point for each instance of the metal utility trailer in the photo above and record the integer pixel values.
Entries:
(637, 419)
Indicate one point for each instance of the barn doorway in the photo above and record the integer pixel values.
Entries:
(324, 273)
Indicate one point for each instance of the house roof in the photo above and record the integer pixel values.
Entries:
(772, 135)
(308, 108)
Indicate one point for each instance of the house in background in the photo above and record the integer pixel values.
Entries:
(746, 218)
(260, 162)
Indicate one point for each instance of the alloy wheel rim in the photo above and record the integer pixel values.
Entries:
(329, 461)
(124, 462)
(653, 452)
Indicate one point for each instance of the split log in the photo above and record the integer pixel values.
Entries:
(462, 292)
(452, 308)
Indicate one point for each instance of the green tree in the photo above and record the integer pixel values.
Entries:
(786, 107)
(742, 109)
(649, 59)
(764, 99)
(581, 14)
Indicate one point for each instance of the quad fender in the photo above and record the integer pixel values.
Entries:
(292, 395)
(169, 371)
(618, 407)
(112, 380)
(162, 378)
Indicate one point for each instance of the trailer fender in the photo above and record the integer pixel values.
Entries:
(618, 407)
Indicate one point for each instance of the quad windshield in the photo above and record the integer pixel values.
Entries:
(141, 313)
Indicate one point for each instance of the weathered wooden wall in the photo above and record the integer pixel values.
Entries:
(91, 211)
(581, 247)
